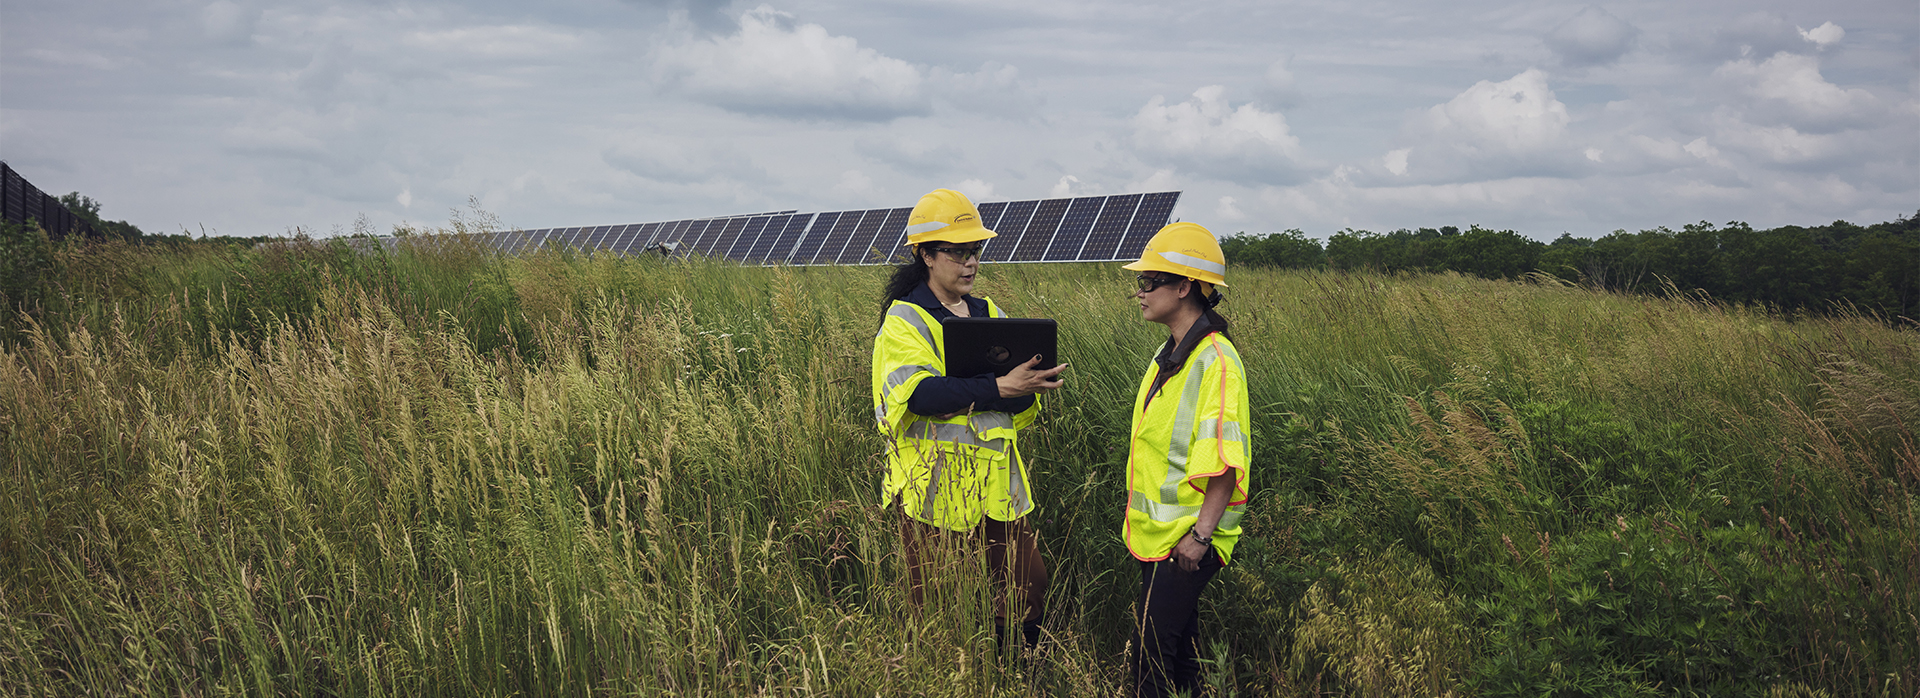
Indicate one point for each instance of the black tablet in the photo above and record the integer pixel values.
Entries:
(977, 345)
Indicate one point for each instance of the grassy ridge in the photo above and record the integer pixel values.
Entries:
(305, 470)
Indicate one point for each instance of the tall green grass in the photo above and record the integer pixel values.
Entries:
(305, 469)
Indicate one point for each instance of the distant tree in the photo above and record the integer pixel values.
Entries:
(88, 211)
(1291, 249)
(26, 258)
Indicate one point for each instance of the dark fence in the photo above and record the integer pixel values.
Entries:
(22, 202)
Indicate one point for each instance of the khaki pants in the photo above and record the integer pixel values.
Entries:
(1012, 551)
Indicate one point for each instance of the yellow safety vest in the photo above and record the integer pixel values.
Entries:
(946, 472)
(1195, 428)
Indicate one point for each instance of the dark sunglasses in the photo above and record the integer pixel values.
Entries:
(1149, 283)
(960, 253)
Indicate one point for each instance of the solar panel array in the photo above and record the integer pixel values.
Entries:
(1080, 229)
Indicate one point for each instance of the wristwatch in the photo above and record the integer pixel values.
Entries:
(1203, 540)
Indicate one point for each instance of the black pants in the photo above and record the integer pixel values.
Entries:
(1167, 627)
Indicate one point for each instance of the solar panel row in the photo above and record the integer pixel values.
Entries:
(1084, 229)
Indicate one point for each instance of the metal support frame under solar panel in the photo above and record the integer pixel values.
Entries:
(1079, 229)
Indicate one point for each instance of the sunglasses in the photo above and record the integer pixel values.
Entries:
(1149, 283)
(959, 253)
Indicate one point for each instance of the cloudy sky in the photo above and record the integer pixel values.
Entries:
(251, 117)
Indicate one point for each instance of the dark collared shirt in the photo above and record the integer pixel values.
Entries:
(948, 394)
(1173, 357)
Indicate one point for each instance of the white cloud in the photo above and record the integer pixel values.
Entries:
(1396, 161)
(1700, 148)
(1519, 115)
(1789, 89)
(1591, 37)
(1279, 86)
(994, 89)
(405, 198)
(1064, 188)
(1226, 209)
(1209, 135)
(854, 183)
(1779, 145)
(777, 66)
(1824, 35)
(1492, 130)
(1160, 180)
(975, 189)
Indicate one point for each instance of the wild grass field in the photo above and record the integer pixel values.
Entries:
(303, 470)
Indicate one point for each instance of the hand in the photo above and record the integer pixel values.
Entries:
(1024, 380)
(1189, 552)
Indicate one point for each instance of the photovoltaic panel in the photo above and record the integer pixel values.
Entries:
(672, 233)
(773, 247)
(837, 238)
(990, 214)
(741, 239)
(860, 243)
(615, 235)
(809, 243)
(689, 231)
(1035, 230)
(1039, 231)
(1012, 223)
(531, 241)
(1074, 228)
(892, 240)
(512, 240)
(738, 247)
(491, 241)
(711, 237)
(567, 238)
(698, 233)
(719, 237)
(622, 237)
(638, 240)
(701, 233)
(1154, 211)
(589, 239)
(1106, 234)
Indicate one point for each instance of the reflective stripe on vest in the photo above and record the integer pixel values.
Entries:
(1161, 511)
(895, 379)
(958, 433)
(913, 316)
(1182, 437)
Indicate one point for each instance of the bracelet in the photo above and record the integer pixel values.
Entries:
(1203, 540)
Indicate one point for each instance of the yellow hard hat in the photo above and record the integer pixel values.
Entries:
(945, 215)
(1187, 249)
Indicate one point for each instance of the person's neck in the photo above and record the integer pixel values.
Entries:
(1180, 324)
(947, 297)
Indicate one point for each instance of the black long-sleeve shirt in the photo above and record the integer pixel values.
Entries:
(940, 395)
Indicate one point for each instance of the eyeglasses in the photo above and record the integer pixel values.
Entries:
(960, 254)
(1149, 283)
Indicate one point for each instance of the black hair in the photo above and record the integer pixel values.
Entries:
(906, 277)
(1207, 303)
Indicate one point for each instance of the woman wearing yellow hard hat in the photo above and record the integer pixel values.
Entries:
(953, 462)
(1187, 456)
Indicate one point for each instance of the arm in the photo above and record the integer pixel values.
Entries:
(1188, 552)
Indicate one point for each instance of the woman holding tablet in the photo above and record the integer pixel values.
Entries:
(1187, 454)
(953, 462)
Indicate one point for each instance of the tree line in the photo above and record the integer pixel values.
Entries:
(1795, 269)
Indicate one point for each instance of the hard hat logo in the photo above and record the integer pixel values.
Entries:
(945, 215)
